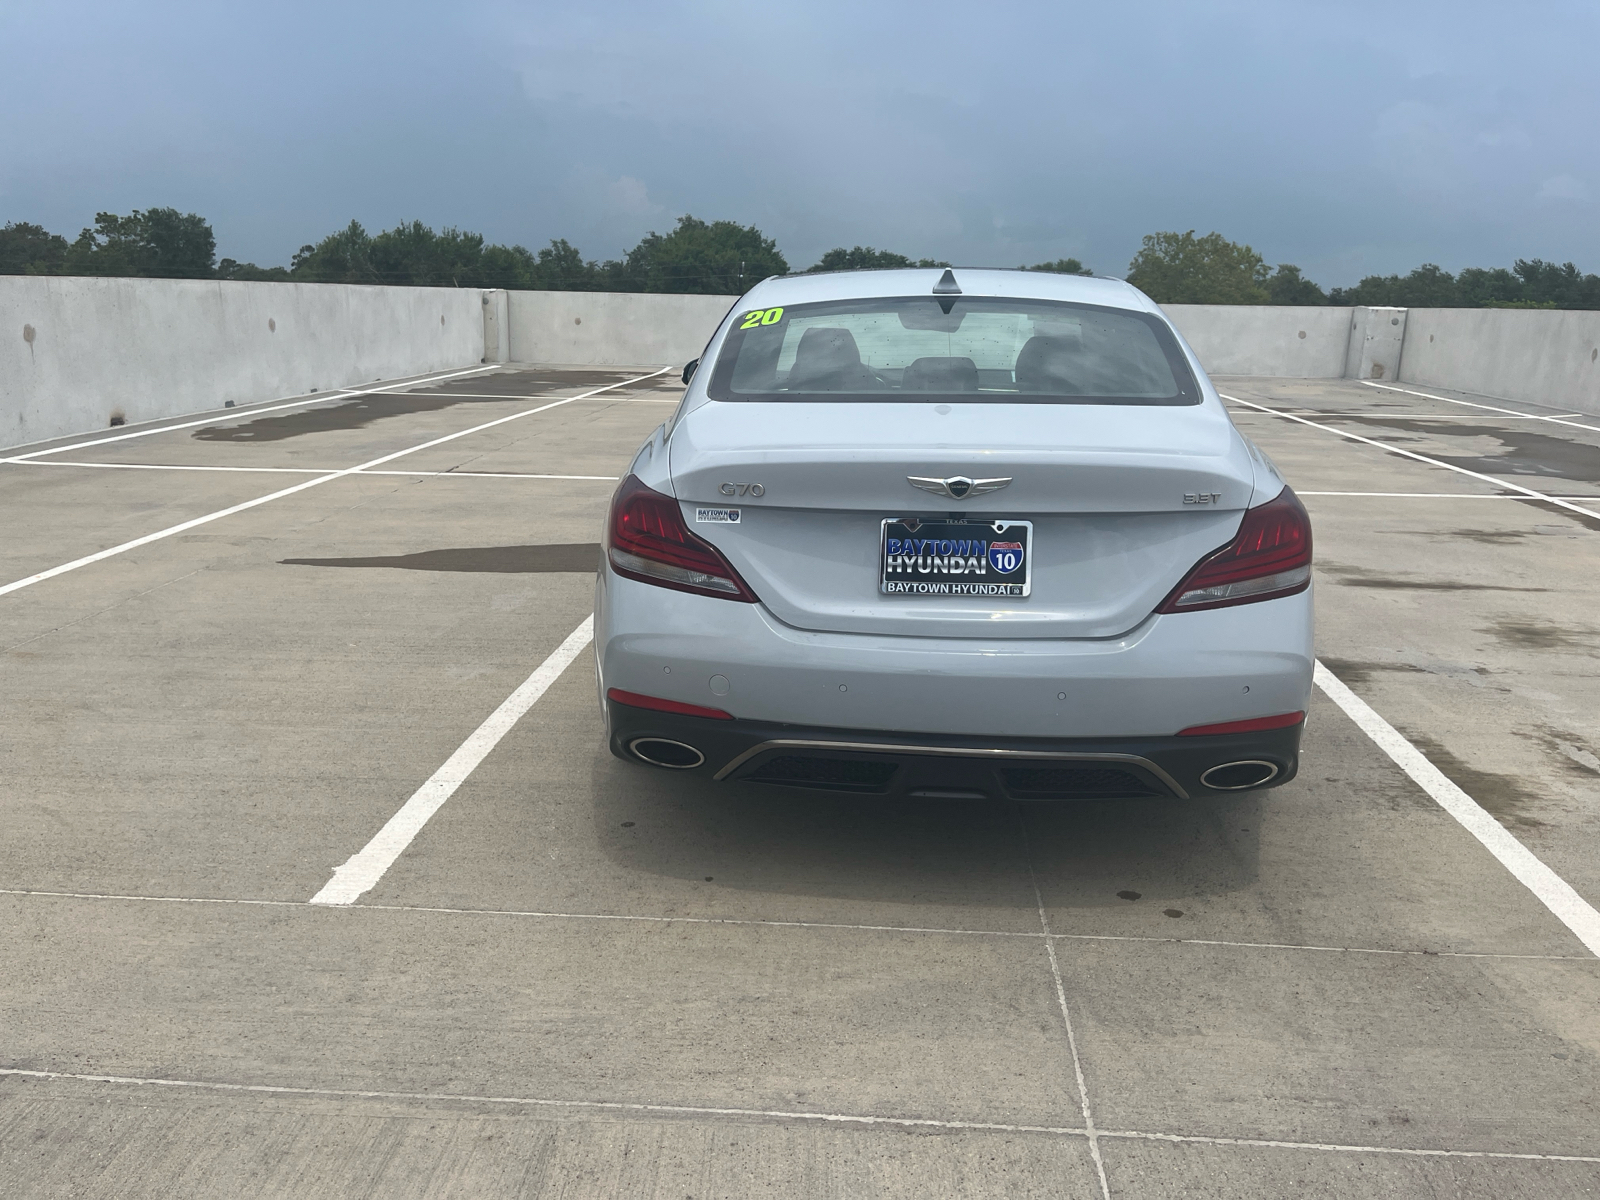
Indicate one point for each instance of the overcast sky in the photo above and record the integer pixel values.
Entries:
(1347, 138)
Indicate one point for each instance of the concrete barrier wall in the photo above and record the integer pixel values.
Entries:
(1259, 339)
(74, 352)
(1538, 355)
(612, 328)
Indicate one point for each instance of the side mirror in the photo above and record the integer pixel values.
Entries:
(688, 370)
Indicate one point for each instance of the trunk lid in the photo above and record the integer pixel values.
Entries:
(1104, 485)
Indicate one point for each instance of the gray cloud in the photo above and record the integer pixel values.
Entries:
(1349, 140)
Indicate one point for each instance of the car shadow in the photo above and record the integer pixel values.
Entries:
(884, 849)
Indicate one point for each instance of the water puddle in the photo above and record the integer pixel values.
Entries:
(581, 558)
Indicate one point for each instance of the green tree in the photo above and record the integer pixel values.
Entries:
(506, 267)
(1288, 286)
(158, 242)
(230, 268)
(719, 257)
(414, 255)
(865, 258)
(1479, 288)
(342, 257)
(1061, 266)
(561, 268)
(1428, 286)
(1563, 286)
(1179, 268)
(31, 250)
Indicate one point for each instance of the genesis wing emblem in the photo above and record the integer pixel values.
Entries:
(957, 487)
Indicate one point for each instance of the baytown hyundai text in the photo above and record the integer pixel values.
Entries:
(983, 534)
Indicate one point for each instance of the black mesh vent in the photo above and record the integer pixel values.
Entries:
(838, 774)
(1063, 783)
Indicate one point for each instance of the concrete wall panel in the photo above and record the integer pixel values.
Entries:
(1258, 339)
(1537, 355)
(1377, 337)
(76, 352)
(612, 328)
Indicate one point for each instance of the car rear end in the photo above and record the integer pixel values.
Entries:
(1003, 541)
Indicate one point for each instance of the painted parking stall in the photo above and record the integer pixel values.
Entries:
(334, 753)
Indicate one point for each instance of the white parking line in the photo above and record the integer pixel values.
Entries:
(1400, 414)
(40, 462)
(228, 414)
(772, 1114)
(184, 526)
(1439, 495)
(498, 396)
(1559, 420)
(1423, 458)
(363, 869)
(1555, 893)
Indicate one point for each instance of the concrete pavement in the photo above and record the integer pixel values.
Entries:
(584, 977)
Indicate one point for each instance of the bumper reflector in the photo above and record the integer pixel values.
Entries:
(635, 700)
(1253, 725)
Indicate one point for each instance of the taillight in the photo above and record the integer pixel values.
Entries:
(1270, 557)
(1249, 725)
(647, 540)
(656, 703)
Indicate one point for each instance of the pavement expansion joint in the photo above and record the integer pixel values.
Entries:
(646, 1109)
(931, 930)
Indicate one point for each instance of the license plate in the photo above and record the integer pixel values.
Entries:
(955, 558)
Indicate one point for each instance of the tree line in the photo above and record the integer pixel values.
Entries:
(696, 256)
(1180, 268)
(726, 258)
(719, 257)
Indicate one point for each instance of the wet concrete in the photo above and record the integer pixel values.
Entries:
(351, 414)
(1356, 671)
(362, 411)
(516, 382)
(578, 558)
(1510, 798)
(1524, 634)
(1353, 576)
(1580, 520)
(1523, 450)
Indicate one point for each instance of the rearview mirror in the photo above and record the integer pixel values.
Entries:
(688, 369)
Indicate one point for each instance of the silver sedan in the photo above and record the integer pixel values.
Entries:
(976, 534)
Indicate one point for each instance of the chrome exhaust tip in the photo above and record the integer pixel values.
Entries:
(1236, 776)
(664, 752)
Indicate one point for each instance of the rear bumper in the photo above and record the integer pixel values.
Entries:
(1168, 674)
(944, 766)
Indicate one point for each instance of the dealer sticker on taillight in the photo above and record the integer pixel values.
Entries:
(956, 558)
(716, 516)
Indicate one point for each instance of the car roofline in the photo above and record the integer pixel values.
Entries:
(875, 283)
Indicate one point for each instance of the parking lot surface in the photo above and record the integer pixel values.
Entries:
(234, 648)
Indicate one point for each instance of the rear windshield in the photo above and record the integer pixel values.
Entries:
(956, 348)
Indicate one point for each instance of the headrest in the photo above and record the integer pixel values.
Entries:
(823, 348)
(940, 375)
(1047, 365)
